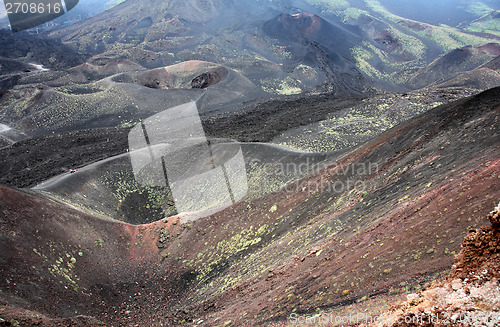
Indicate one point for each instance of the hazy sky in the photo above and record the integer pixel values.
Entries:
(412, 8)
(2, 9)
(83, 7)
(84, 2)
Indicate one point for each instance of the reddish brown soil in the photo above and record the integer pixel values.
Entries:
(480, 253)
(492, 49)
(304, 23)
(260, 260)
(469, 295)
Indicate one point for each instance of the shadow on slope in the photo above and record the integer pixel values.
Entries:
(109, 187)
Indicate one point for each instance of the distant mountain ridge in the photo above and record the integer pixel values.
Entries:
(454, 63)
(260, 39)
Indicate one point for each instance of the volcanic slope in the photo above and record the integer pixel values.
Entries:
(484, 77)
(284, 47)
(314, 245)
(469, 293)
(28, 48)
(110, 188)
(455, 62)
(320, 47)
(121, 100)
(172, 34)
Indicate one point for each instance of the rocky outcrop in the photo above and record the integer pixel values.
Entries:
(479, 260)
(470, 295)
